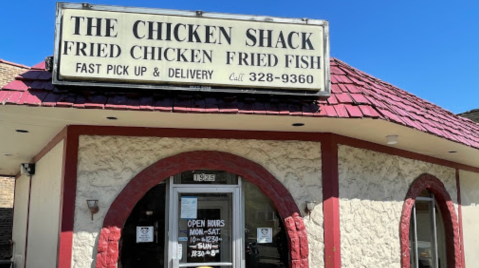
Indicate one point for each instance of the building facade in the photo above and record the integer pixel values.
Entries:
(372, 176)
(8, 72)
(365, 191)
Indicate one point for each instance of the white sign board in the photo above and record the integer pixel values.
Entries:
(209, 51)
(189, 206)
(264, 235)
(144, 234)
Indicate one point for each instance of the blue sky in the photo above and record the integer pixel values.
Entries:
(429, 48)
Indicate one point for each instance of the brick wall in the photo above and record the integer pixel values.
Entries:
(7, 188)
(9, 70)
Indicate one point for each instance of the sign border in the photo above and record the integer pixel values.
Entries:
(324, 94)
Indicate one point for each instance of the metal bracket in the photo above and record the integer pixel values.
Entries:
(27, 168)
(86, 5)
(49, 63)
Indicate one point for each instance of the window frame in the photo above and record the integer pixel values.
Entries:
(432, 214)
(448, 212)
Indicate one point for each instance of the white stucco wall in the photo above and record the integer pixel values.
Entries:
(20, 211)
(372, 188)
(470, 215)
(45, 210)
(106, 164)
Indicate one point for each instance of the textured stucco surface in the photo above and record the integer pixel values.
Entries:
(470, 215)
(106, 164)
(45, 210)
(372, 188)
(22, 186)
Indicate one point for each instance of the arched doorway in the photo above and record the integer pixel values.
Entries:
(108, 245)
(427, 193)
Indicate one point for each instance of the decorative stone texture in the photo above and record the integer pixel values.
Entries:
(449, 217)
(470, 215)
(303, 240)
(372, 190)
(106, 164)
(294, 246)
(120, 209)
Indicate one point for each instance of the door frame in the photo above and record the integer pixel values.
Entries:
(173, 211)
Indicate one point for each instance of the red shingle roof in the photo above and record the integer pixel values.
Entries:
(354, 94)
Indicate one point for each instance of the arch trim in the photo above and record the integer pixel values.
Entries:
(120, 209)
(449, 217)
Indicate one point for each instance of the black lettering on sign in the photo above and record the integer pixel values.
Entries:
(135, 29)
(250, 34)
(265, 37)
(190, 74)
(100, 50)
(139, 70)
(117, 69)
(90, 68)
(171, 54)
(94, 26)
(305, 42)
(252, 59)
(302, 61)
(278, 39)
(179, 32)
(176, 32)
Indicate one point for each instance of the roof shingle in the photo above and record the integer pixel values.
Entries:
(354, 94)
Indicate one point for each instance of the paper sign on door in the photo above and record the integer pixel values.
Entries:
(189, 206)
(264, 235)
(144, 234)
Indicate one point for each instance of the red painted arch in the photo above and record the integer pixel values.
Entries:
(108, 244)
(446, 205)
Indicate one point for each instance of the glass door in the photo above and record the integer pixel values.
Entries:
(204, 226)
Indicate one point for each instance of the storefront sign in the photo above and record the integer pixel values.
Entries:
(204, 177)
(144, 234)
(148, 48)
(204, 237)
(264, 235)
(189, 206)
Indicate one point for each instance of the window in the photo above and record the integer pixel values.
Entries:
(426, 234)
(261, 216)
